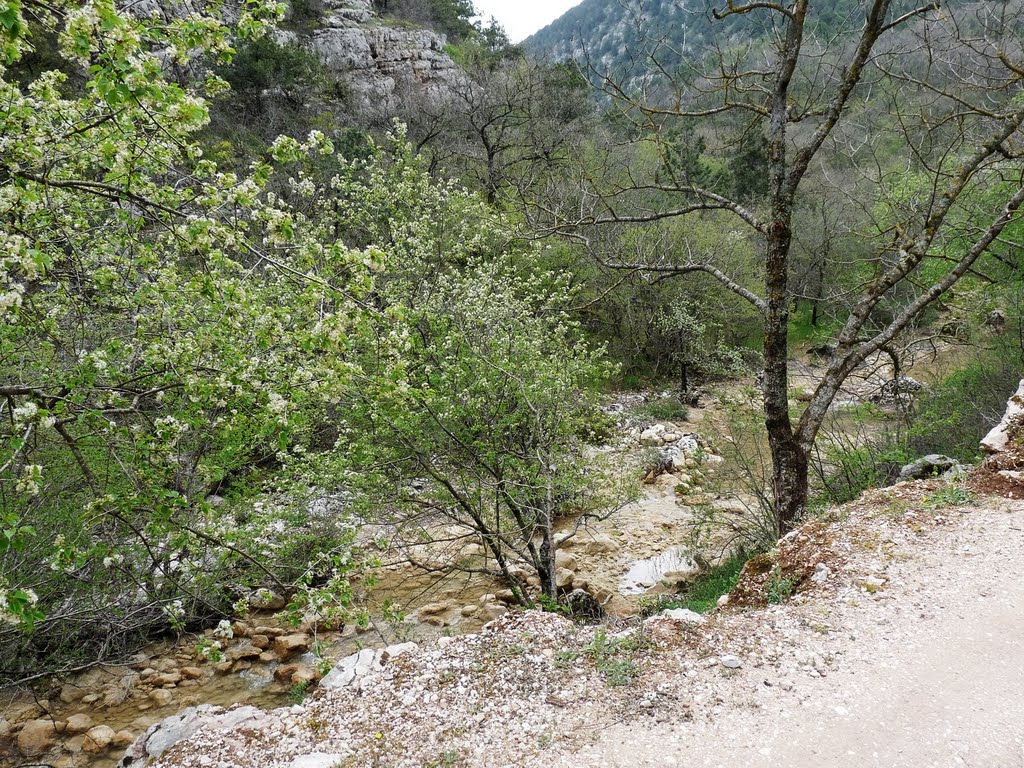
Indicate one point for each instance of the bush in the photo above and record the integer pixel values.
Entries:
(952, 417)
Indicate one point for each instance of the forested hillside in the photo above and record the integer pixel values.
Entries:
(318, 317)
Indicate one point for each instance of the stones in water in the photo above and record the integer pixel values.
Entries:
(675, 563)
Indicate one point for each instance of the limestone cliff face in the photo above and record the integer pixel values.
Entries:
(386, 68)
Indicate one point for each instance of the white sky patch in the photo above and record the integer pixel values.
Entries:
(521, 18)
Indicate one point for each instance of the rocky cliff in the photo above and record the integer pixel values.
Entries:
(386, 68)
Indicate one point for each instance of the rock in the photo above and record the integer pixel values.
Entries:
(897, 388)
(270, 632)
(999, 439)
(98, 739)
(723, 601)
(191, 673)
(564, 578)
(399, 649)
(123, 738)
(491, 611)
(565, 559)
(653, 437)
(243, 651)
(433, 609)
(161, 697)
(352, 668)
(283, 673)
(287, 645)
(731, 662)
(266, 600)
(601, 544)
(821, 573)
(71, 693)
(239, 629)
(928, 466)
(36, 737)
(79, 723)
(165, 680)
(260, 641)
(683, 615)
(160, 737)
(469, 610)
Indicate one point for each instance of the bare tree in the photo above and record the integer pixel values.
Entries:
(920, 104)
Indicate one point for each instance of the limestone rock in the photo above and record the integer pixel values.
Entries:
(352, 668)
(564, 578)
(79, 723)
(98, 739)
(160, 737)
(287, 645)
(928, 466)
(36, 737)
(998, 440)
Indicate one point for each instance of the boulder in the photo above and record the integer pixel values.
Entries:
(564, 578)
(243, 651)
(266, 600)
(601, 544)
(894, 390)
(98, 739)
(123, 738)
(399, 649)
(287, 645)
(932, 465)
(191, 673)
(653, 437)
(998, 440)
(36, 737)
(165, 680)
(79, 723)
(352, 668)
(160, 737)
(565, 559)
(161, 697)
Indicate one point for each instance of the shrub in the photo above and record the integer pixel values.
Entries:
(952, 417)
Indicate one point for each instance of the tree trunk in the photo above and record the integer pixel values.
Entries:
(684, 382)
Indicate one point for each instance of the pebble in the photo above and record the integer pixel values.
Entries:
(729, 661)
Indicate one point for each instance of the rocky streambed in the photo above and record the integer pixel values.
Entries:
(90, 719)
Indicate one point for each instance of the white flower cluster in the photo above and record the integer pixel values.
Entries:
(7, 612)
(224, 630)
(113, 559)
(29, 482)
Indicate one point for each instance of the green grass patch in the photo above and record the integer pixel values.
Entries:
(702, 593)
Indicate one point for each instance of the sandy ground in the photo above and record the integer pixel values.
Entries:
(929, 672)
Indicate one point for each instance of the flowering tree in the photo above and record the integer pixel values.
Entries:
(165, 327)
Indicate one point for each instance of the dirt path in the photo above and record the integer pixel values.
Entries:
(929, 672)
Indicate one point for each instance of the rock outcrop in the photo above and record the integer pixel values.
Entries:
(385, 68)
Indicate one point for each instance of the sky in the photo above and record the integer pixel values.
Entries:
(521, 18)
